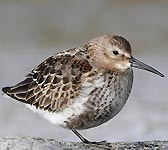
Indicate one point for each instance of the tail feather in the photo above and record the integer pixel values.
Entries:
(18, 91)
(15, 96)
(5, 89)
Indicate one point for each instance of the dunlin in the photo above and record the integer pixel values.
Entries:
(82, 87)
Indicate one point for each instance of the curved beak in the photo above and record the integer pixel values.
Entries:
(138, 64)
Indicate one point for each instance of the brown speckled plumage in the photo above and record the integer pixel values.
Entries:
(53, 84)
(82, 87)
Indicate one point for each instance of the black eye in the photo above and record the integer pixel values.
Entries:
(115, 52)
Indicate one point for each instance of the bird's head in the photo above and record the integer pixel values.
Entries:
(114, 53)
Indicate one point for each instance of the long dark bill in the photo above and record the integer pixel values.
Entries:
(138, 64)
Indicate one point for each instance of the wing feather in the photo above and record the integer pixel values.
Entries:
(52, 84)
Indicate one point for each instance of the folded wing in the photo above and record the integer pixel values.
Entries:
(53, 84)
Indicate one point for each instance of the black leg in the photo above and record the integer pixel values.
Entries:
(81, 137)
(84, 140)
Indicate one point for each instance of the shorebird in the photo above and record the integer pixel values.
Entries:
(82, 87)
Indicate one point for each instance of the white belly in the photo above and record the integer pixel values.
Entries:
(59, 118)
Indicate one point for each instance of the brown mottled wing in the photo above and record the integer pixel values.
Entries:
(52, 84)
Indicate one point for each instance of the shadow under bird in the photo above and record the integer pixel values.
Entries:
(82, 87)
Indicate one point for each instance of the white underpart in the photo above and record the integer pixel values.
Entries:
(89, 86)
(59, 118)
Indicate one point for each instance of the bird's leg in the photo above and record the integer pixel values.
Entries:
(84, 140)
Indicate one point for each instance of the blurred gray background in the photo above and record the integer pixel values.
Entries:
(31, 31)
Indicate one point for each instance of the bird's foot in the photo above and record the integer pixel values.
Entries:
(101, 144)
(97, 143)
(84, 140)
